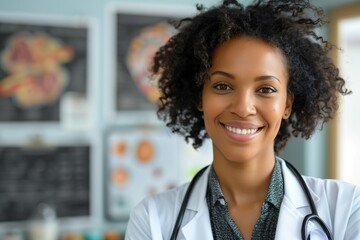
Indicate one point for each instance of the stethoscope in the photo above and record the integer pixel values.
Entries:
(313, 216)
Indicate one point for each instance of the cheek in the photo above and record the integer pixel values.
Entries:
(275, 114)
(211, 104)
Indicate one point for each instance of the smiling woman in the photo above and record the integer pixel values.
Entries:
(243, 104)
(248, 78)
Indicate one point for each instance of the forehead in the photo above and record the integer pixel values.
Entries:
(250, 53)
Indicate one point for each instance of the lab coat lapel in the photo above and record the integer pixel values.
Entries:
(294, 208)
(199, 226)
(289, 222)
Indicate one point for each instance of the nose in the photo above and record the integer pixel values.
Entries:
(243, 104)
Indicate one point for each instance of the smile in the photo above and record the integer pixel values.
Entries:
(242, 131)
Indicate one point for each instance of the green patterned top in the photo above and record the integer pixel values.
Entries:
(224, 227)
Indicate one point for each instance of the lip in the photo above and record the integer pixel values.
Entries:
(241, 131)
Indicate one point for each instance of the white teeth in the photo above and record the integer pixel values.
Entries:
(241, 131)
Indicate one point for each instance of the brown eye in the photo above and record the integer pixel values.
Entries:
(267, 90)
(222, 87)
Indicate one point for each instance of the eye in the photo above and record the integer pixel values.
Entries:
(267, 90)
(222, 87)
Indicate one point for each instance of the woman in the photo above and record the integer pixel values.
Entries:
(248, 78)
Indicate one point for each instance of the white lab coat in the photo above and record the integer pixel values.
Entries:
(337, 203)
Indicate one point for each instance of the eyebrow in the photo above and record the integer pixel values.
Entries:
(259, 78)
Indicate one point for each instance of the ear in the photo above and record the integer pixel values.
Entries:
(288, 107)
(199, 104)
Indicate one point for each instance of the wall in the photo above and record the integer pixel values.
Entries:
(309, 156)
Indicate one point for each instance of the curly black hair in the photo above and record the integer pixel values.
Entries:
(182, 64)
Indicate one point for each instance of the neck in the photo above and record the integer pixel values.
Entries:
(245, 182)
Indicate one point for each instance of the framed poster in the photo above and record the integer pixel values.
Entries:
(32, 163)
(134, 37)
(41, 61)
(139, 162)
(57, 176)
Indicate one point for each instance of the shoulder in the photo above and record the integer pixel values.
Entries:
(163, 201)
(160, 208)
(338, 194)
(170, 197)
(333, 187)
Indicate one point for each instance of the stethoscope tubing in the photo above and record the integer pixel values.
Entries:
(313, 216)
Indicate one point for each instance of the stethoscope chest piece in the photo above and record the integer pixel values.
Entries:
(315, 228)
(316, 234)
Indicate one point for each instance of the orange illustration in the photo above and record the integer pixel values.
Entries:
(140, 54)
(145, 151)
(120, 148)
(34, 66)
(121, 176)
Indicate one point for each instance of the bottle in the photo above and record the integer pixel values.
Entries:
(43, 226)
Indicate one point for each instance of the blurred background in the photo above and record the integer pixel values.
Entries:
(80, 144)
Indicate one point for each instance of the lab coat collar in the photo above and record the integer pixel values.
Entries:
(293, 190)
(196, 203)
